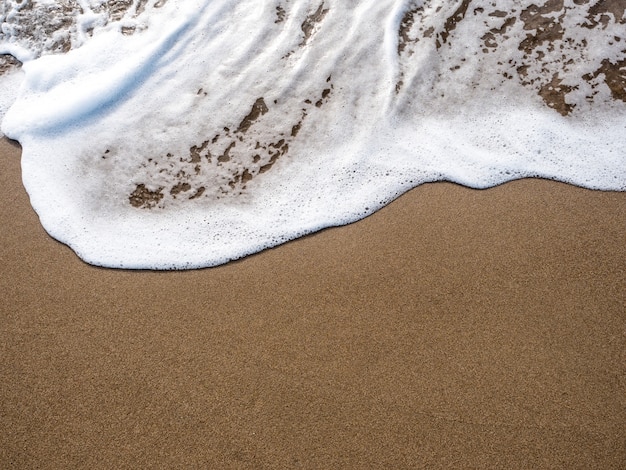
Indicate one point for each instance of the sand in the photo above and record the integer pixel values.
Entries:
(454, 328)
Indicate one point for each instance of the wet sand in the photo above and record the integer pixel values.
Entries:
(454, 328)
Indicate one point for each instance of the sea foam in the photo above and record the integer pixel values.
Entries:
(189, 133)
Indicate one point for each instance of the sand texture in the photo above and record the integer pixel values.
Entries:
(454, 328)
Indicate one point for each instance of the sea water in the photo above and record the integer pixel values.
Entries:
(186, 133)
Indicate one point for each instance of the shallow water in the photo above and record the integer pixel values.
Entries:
(183, 134)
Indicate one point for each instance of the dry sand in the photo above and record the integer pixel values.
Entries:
(454, 328)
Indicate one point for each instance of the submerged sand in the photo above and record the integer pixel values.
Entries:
(455, 328)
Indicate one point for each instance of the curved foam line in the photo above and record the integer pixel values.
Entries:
(71, 103)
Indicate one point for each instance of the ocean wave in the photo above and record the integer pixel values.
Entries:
(189, 133)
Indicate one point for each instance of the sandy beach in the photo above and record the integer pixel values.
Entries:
(455, 328)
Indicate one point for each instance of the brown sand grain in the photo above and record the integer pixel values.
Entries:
(454, 328)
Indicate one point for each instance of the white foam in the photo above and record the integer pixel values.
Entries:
(220, 128)
(8, 91)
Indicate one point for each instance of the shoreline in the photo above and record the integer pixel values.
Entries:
(453, 327)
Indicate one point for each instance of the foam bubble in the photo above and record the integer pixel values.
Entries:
(215, 129)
